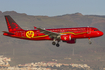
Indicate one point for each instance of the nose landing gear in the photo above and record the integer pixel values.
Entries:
(89, 41)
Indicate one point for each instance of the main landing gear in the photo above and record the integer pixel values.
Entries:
(54, 43)
(89, 41)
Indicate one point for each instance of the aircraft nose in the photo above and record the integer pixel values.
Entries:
(100, 33)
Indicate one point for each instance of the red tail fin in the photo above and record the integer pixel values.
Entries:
(11, 24)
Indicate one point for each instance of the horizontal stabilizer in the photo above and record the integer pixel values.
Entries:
(8, 32)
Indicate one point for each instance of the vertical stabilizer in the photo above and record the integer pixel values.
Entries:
(11, 24)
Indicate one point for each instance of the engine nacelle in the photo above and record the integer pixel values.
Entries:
(72, 41)
(65, 37)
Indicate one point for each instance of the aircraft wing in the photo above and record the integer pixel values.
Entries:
(49, 33)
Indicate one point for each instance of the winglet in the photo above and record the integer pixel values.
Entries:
(35, 27)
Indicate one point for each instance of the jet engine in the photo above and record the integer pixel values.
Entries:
(68, 39)
(65, 37)
(72, 41)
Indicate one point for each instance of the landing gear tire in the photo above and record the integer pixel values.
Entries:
(90, 42)
(53, 43)
(57, 45)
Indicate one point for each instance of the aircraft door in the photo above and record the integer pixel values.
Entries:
(88, 30)
(19, 33)
(23, 33)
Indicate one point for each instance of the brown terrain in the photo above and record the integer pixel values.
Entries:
(24, 51)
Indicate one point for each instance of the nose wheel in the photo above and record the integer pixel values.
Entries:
(90, 42)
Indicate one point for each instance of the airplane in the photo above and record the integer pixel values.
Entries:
(67, 35)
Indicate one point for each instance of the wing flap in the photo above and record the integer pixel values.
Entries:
(49, 33)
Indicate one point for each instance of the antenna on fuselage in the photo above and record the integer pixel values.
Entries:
(88, 26)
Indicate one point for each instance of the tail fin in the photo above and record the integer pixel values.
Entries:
(11, 24)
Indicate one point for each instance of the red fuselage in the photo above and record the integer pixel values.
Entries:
(76, 33)
(68, 35)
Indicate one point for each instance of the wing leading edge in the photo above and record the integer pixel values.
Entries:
(49, 33)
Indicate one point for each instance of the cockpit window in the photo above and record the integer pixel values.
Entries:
(96, 30)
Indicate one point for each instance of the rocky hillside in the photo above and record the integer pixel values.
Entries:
(26, 51)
